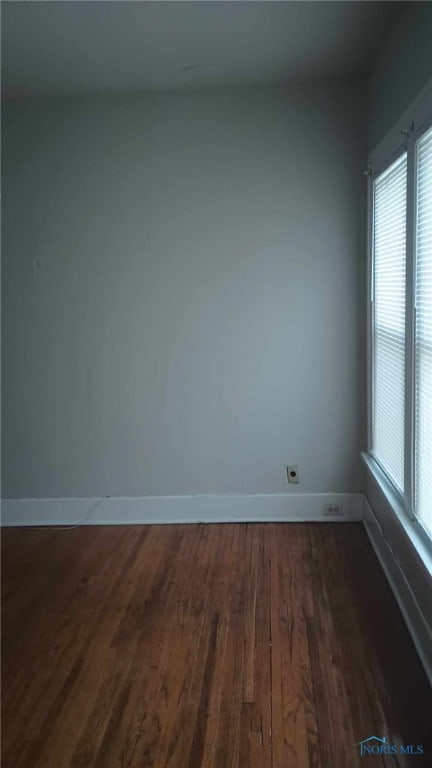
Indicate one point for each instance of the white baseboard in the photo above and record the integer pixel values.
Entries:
(218, 508)
(420, 631)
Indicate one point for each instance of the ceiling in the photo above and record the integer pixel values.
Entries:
(89, 47)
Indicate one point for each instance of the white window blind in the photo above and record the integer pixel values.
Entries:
(423, 336)
(389, 269)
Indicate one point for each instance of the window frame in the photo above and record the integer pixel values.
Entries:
(403, 138)
(418, 134)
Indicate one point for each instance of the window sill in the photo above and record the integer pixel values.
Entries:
(413, 530)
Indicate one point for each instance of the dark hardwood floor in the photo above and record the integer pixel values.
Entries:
(247, 646)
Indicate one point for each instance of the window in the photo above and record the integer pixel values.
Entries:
(423, 333)
(389, 269)
(400, 413)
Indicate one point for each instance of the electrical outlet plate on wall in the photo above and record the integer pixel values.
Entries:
(333, 510)
(292, 473)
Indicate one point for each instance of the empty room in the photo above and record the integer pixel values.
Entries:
(216, 469)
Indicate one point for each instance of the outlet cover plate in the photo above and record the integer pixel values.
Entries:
(333, 510)
(292, 473)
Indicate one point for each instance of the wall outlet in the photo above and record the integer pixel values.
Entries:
(333, 510)
(293, 473)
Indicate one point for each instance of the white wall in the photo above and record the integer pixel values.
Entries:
(182, 307)
(403, 67)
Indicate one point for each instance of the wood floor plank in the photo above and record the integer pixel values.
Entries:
(204, 646)
(290, 653)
